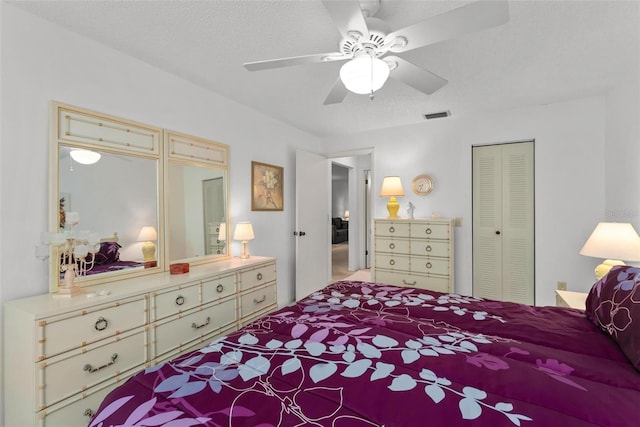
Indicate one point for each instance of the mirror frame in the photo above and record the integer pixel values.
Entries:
(139, 140)
(190, 150)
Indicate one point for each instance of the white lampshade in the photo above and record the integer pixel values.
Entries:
(147, 233)
(346, 214)
(391, 186)
(86, 157)
(364, 74)
(243, 231)
(614, 241)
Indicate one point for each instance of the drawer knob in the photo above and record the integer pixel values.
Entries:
(392, 229)
(409, 284)
(428, 248)
(89, 412)
(259, 276)
(180, 300)
(219, 288)
(428, 231)
(206, 322)
(429, 265)
(392, 262)
(101, 324)
(392, 245)
(92, 369)
(261, 300)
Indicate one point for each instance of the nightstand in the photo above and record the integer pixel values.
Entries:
(571, 299)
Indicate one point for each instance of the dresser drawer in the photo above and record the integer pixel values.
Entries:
(218, 288)
(392, 262)
(78, 329)
(439, 284)
(392, 228)
(430, 230)
(397, 246)
(76, 411)
(257, 300)
(258, 276)
(175, 301)
(430, 248)
(177, 332)
(75, 371)
(430, 266)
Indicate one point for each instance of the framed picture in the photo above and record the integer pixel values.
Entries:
(266, 187)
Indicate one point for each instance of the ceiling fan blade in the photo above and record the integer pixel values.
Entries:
(347, 16)
(473, 17)
(337, 93)
(295, 60)
(416, 77)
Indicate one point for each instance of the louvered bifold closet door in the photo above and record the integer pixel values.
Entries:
(503, 219)
(487, 221)
(518, 224)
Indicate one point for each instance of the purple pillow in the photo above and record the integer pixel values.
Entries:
(613, 304)
(108, 253)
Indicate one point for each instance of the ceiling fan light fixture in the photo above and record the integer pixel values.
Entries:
(364, 74)
(85, 157)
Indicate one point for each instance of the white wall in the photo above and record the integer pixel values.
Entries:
(570, 179)
(41, 62)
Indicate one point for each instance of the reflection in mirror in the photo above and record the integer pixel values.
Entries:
(197, 212)
(115, 197)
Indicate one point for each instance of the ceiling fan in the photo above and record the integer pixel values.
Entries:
(367, 42)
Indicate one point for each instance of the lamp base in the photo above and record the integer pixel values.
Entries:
(149, 251)
(245, 253)
(393, 207)
(606, 265)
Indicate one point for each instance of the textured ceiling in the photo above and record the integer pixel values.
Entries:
(549, 51)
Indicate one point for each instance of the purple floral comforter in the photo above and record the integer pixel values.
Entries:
(365, 354)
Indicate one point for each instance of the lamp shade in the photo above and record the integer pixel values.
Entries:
(86, 157)
(391, 186)
(364, 74)
(147, 233)
(243, 231)
(222, 231)
(613, 240)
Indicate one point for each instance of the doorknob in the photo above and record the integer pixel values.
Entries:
(497, 231)
(302, 233)
(299, 233)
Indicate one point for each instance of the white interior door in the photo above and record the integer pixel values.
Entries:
(312, 222)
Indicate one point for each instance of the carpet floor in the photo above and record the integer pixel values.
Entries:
(340, 265)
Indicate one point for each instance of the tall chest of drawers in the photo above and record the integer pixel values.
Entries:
(414, 252)
(62, 356)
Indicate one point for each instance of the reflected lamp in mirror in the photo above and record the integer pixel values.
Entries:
(222, 232)
(615, 242)
(392, 188)
(346, 215)
(85, 157)
(243, 232)
(148, 234)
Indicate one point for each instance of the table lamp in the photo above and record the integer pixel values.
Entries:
(244, 232)
(147, 235)
(392, 187)
(614, 241)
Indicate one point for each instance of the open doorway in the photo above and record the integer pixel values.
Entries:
(339, 222)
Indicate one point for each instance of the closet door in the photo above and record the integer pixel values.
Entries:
(503, 222)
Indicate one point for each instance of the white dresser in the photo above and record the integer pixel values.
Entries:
(414, 252)
(62, 356)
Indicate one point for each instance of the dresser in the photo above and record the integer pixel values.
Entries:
(414, 252)
(62, 356)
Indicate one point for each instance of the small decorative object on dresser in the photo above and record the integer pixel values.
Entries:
(414, 252)
(66, 355)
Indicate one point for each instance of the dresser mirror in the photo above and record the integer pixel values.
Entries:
(196, 198)
(111, 196)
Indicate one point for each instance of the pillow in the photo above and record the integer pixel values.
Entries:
(613, 304)
(108, 253)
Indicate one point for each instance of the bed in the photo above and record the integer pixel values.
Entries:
(370, 354)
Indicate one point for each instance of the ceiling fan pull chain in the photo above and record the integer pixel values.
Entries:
(371, 96)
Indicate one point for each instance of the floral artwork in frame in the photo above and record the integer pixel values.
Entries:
(266, 187)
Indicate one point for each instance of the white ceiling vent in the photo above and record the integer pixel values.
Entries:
(438, 115)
